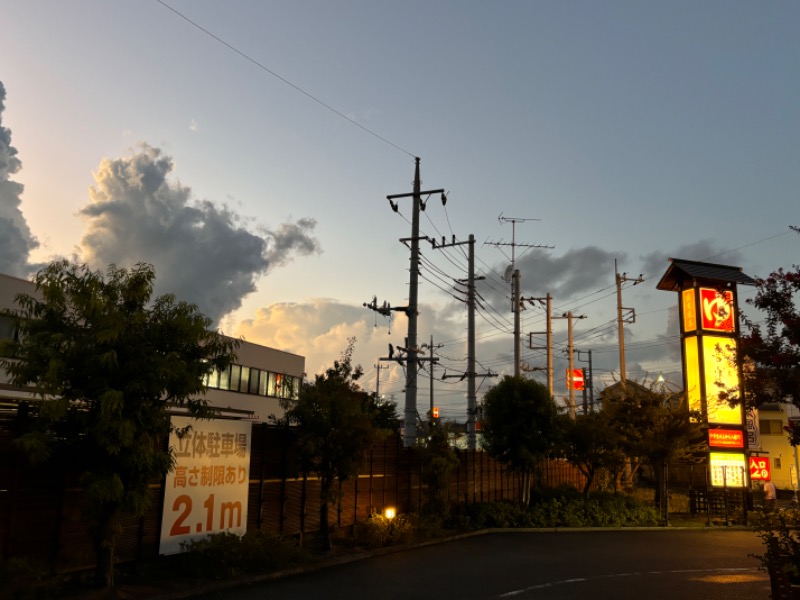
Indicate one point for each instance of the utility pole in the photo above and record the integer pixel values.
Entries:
(378, 367)
(588, 382)
(410, 413)
(624, 315)
(570, 384)
(433, 360)
(515, 281)
(548, 338)
(472, 402)
(517, 355)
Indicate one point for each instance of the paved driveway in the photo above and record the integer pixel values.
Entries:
(614, 564)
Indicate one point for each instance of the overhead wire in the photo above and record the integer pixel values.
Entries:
(283, 79)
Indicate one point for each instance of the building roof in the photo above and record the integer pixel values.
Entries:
(681, 270)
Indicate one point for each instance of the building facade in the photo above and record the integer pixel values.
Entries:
(250, 389)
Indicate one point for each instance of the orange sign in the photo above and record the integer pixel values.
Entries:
(759, 468)
(725, 438)
(576, 379)
(717, 309)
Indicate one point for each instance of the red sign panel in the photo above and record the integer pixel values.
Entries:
(576, 380)
(759, 468)
(717, 309)
(725, 438)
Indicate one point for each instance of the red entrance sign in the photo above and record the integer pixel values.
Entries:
(725, 438)
(576, 380)
(759, 468)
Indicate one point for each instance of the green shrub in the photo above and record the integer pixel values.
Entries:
(22, 579)
(780, 533)
(226, 555)
(378, 531)
(549, 509)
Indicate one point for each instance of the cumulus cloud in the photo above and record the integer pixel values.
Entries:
(317, 329)
(201, 251)
(578, 271)
(656, 263)
(16, 240)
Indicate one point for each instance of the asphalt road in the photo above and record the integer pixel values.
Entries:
(613, 564)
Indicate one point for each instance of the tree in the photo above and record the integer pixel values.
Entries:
(337, 423)
(438, 461)
(656, 428)
(770, 350)
(520, 426)
(109, 365)
(591, 444)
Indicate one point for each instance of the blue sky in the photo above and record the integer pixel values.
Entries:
(632, 131)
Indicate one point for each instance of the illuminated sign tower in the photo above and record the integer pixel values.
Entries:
(709, 347)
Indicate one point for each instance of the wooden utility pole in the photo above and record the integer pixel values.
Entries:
(570, 383)
(624, 315)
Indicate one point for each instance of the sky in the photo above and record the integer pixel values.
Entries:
(246, 148)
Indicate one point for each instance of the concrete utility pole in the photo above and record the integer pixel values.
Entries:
(570, 385)
(410, 413)
(472, 402)
(517, 355)
(378, 367)
(548, 338)
(588, 383)
(515, 290)
(624, 315)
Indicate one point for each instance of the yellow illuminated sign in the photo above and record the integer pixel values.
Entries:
(727, 469)
(719, 354)
(689, 313)
(692, 365)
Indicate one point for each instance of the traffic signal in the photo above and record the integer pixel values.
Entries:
(435, 412)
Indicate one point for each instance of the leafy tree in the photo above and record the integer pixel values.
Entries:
(520, 426)
(438, 460)
(770, 349)
(108, 365)
(656, 428)
(337, 423)
(591, 443)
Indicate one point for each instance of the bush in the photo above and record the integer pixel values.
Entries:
(226, 555)
(778, 531)
(378, 531)
(551, 510)
(22, 579)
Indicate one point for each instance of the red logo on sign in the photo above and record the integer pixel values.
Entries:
(717, 309)
(759, 468)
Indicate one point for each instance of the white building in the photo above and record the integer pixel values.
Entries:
(252, 388)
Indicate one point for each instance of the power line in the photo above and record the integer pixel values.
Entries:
(283, 79)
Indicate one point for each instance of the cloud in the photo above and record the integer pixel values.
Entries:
(579, 271)
(656, 263)
(16, 240)
(201, 252)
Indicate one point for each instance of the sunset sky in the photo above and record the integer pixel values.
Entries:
(246, 149)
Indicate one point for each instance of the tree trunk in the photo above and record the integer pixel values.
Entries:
(324, 524)
(104, 543)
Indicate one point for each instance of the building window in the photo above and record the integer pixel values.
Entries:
(770, 426)
(244, 382)
(776, 463)
(225, 379)
(254, 376)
